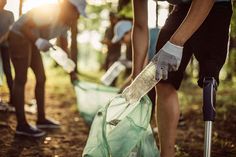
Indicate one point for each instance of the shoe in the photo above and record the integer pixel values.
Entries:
(48, 124)
(29, 131)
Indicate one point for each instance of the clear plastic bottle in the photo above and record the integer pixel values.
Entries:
(68, 65)
(143, 83)
(112, 73)
(62, 59)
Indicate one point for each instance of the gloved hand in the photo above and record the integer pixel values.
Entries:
(43, 44)
(167, 59)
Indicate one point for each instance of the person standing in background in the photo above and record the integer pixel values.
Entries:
(122, 34)
(28, 36)
(6, 20)
(113, 49)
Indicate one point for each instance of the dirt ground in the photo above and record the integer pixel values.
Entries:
(60, 105)
(70, 140)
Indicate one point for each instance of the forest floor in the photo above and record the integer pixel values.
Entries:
(70, 140)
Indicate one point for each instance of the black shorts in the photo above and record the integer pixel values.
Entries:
(208, 44)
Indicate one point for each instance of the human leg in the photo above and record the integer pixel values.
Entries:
(38, 69)
(167, 117)
(21, 66)
(7, 69)
(213, 42)
(21, 55)
(167, 98)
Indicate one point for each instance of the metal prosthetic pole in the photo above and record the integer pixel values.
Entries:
(209, 95)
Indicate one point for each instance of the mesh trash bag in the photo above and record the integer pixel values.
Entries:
(122, 130)
(91, 97)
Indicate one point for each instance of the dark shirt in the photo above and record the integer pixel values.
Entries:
(47, 22)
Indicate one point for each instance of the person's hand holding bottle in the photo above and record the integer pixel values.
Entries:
(167, 59)
(43, 44)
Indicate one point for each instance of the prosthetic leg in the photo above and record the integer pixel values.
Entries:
(209, 95)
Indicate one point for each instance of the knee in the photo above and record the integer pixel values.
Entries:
(20, 80)
(165, 90)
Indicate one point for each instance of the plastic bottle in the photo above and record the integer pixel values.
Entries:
(62, 59)
(143, 83)
(112, 73)
(68, 65)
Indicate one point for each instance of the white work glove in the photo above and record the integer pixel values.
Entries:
(43, 44)
(167, 59)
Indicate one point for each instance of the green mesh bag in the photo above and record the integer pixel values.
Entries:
(122, 130)
(91, 97)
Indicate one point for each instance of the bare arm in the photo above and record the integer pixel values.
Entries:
(106, 41)
(198, 12)
(139, 35)
(107, 38)
(63, 43)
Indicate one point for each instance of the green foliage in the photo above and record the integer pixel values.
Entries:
(96, 17)
(231, 64)
(233, 21)
(126, 11)
(122, 3)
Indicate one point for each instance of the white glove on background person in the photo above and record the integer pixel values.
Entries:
(167, 59)
(43, 44)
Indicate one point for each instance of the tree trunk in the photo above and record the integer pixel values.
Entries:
(74, 47)
(20, 7)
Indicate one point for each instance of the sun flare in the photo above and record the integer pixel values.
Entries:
(29, 4)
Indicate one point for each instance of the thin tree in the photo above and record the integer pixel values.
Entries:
(20, 7)
(74, 47)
